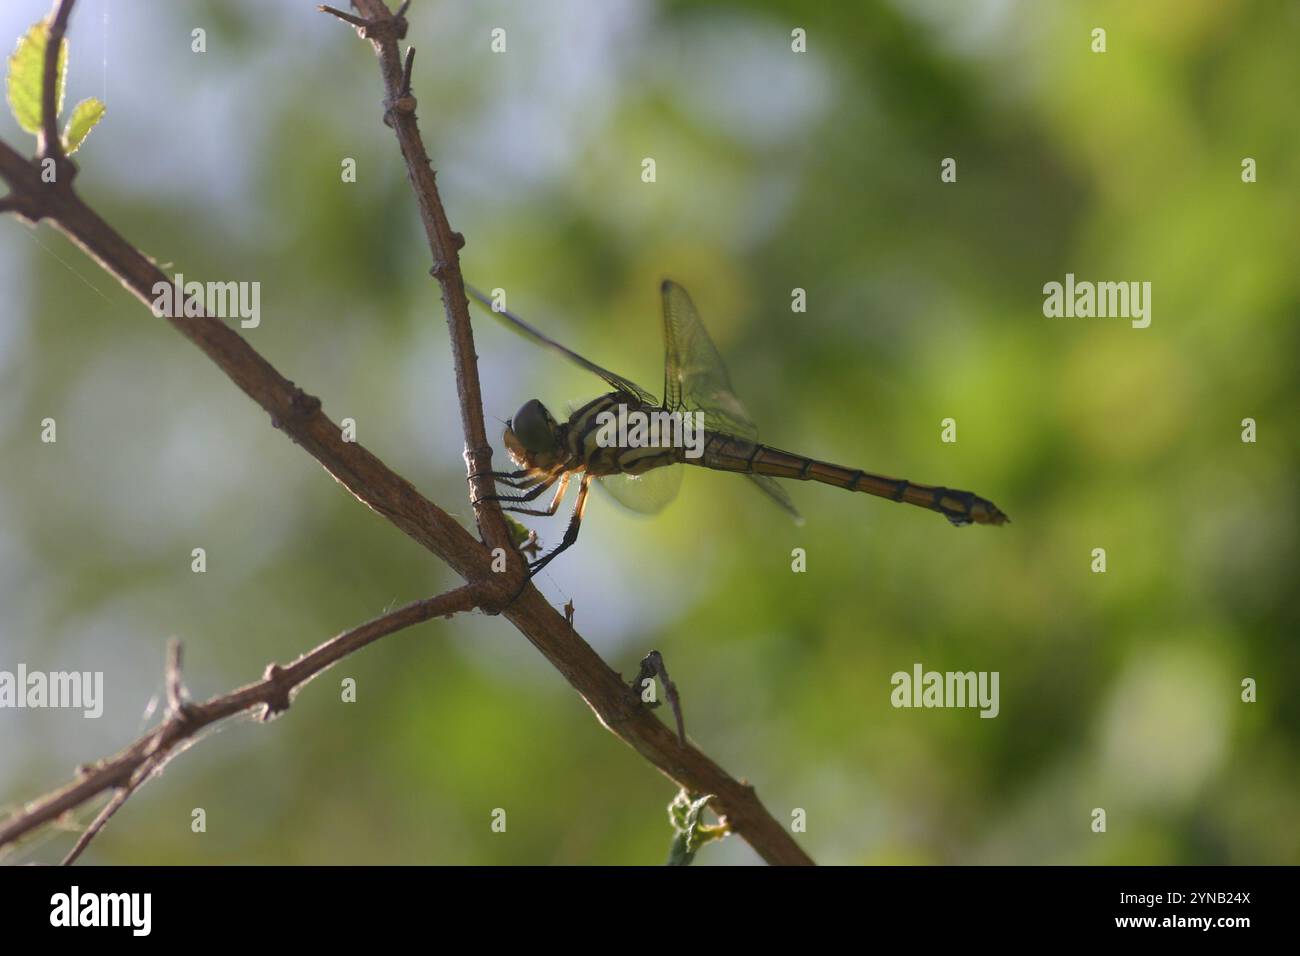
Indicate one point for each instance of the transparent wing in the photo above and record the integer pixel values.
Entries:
(772, 488)
(647, 493)
(695, 379)
(519, 325)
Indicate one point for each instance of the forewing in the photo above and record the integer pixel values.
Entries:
(647, 493)
(695, 378)
(523, 328)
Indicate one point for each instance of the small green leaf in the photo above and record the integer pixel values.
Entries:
(84, 117)
(26, 72)
(678, 855)
(518, 533)
(684, 813)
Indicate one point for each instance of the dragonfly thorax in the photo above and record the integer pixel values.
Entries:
(533, 437)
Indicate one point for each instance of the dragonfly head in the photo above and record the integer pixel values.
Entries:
(532, 437)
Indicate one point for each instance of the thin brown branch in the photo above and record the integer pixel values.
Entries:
(299, 415)
(176, 707)
(601, 687)
(51, 145)
(383, 31)
(345, 17)
(123, 794)
(127, 770)
(175, 685)
(15, 169)
(292, 410)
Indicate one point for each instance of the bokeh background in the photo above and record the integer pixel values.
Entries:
(775, 170)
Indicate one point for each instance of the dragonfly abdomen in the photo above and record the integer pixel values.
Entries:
(728, 453)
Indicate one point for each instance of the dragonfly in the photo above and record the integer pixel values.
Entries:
(644, 475)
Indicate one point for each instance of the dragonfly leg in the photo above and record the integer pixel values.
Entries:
(503, 475)
(519, 484)
(517, 479)
(511, 478)
(550, 509)
(531, 495)
(570, 533)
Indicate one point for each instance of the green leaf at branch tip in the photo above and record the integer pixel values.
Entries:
(684, 813)
(26, 75)
(678, 855)
(84, 117)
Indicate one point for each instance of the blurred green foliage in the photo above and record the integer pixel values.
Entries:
(775, 170)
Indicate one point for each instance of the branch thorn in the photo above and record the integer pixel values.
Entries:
(177, 705)
(406, 70)
(359, 22)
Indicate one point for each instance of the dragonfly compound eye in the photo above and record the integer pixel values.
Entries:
(534, 427)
